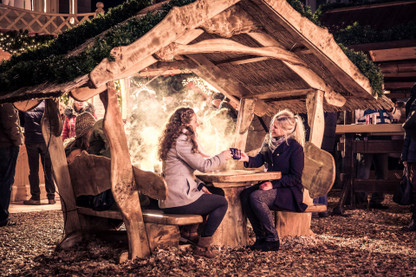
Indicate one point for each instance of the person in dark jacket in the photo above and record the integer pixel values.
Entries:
(10, 141)
(35, 147)
(282, 150)
(409, 156)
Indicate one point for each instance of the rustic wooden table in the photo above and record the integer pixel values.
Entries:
(233, 229)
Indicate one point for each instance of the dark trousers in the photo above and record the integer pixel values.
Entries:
(257, 205)
(212, 205)
(380, 162)
(8, 158)
(33, 152)
(412, 174)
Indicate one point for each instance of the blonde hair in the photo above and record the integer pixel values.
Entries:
(291, 125)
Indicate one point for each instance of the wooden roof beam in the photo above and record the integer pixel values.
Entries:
(85, 93)
(177, 23)
(394, 54)
(226, 45)
(308, 75)
(285, 93)
(242, 61)
(319, 41)
(219, 79)
(398, 85)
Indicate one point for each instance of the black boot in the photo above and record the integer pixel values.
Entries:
(257, 245)
(270, 246)
(412, 225)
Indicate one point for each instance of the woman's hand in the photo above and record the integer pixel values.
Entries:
(244, 157)
(227, 154)
(266, 185)
(205, 190)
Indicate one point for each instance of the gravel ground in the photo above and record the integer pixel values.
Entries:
(363, 243)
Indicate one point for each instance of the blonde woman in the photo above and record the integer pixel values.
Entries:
(282, 150)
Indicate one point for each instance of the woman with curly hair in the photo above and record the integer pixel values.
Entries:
(180, 154)
(282, 150)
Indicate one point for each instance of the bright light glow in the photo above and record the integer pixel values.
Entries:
(149, 110)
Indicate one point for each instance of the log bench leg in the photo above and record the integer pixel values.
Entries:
(162, 235)
(294, 224)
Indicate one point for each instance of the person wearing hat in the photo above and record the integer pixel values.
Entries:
(83, 128)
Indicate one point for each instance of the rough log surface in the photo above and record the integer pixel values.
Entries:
(122, 181)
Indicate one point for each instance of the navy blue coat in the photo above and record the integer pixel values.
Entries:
(288, 158)
(31, 122)
(409, 145)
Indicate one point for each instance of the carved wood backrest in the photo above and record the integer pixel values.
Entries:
(319, 172)
(90, 175)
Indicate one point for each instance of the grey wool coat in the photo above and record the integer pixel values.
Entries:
(178, 170)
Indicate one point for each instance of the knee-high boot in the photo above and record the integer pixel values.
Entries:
(203, 248)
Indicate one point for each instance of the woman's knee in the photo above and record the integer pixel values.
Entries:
(255, 196)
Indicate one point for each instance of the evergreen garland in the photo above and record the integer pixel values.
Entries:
(359, 59)
(49, 63)
(367, 67)
(16, 42)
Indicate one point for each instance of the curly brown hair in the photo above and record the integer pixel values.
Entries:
(177, 122)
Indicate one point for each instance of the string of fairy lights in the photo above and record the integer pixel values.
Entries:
(16, 42)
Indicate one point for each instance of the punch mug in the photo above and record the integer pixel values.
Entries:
(236, 153)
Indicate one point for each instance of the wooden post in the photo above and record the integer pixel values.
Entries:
(314, 107)
(51, 129)
(244, 119)
(122, 181)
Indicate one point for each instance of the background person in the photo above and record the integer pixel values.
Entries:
(409, 157)
(379, 160)
(35, 147)
(178, 150)
(10, 141)
(282, 150)
(71, 114)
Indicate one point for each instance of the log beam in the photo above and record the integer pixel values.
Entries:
(285, 93)
(85, 93)
(320, 42)
(26, 105)
(122, 181)
(244, 119)
(51, 131)
(314, 107)
(230, 46)
(221, 81)
(178, 22)
(308, 75)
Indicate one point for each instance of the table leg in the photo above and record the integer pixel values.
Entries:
(232, 231)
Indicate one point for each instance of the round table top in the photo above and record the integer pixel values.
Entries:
(238, 176)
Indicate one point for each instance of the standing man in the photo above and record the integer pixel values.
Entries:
(379, 160)
(10, 141)
(35, 146)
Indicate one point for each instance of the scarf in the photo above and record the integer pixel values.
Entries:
(273, 143)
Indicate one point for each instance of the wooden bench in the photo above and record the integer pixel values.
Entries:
(90, 175)
(318, 178)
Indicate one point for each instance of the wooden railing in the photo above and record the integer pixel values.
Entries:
(12, 18)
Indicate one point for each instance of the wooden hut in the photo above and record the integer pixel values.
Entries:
(260, 53)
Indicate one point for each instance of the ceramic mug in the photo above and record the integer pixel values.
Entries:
(236, 153)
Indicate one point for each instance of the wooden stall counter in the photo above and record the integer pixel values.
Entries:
(349, 146)
(233, 229)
